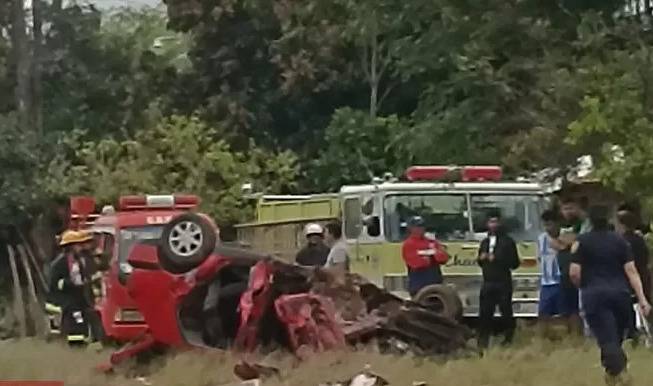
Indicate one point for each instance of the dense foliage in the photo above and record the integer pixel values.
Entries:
(202, 96)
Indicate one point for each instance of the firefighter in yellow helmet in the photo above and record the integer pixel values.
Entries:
(70, 288)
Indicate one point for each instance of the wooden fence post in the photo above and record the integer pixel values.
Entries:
(34, 305)
(39, 271)
(19, 308)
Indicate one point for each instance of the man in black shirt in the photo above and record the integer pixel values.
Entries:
(497, 257)
(627, 223)
(315, 253)
(602, 266)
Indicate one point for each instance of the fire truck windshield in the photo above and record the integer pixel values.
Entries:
(130, 236)
(449, 217)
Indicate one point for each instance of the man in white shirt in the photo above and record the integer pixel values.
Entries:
(337, 261)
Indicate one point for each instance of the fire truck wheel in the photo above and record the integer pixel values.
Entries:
(186, 242)
(442, 299)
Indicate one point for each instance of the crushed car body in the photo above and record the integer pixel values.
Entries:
(193, 292)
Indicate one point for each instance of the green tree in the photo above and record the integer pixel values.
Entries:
(20, 166)
(175, 155)
(616, 121)
(100, 72)
(359, 147)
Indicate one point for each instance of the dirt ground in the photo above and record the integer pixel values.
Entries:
(533, 363)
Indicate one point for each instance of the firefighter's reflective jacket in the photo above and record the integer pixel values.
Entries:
(71, 296)
(69, 282)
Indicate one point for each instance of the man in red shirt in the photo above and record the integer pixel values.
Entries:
(423, 257)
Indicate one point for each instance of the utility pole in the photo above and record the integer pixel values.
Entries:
(21, 53)
(37, 58)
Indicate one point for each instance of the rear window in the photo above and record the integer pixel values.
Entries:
(130, 236)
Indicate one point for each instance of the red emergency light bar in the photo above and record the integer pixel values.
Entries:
(81, 212)
(158, 202)
(454, 173)
(82, 205)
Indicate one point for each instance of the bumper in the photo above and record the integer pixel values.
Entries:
(125, 332)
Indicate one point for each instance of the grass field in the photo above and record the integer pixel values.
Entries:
(529, 363)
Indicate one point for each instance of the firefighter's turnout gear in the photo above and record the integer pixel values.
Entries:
(74, 237)
(70, 290)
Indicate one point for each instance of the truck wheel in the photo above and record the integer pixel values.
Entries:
(442, 299)
(186, 242)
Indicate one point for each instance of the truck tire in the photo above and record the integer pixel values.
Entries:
(442, 299)
(186, 241)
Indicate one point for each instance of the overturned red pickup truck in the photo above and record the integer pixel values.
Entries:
(194, 292)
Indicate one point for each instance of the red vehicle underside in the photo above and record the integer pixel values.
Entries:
(275, 306)
(248, 302)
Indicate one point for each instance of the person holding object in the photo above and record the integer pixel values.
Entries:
(550, 303)
(602, 267)
(423, 257)
(497, 257)
(626, 226)
(574, 222)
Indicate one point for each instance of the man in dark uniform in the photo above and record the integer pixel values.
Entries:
(315, 252)
(602, 267)
(423, 257)
(497, 257)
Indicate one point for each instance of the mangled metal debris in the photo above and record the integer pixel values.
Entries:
(260, 303)
(364, 378)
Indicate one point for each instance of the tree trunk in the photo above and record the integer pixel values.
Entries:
(21, 56)
(39, 270)
(19, 304)
(374, 83)
(37, 57)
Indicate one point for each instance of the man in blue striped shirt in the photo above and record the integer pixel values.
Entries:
(551, 303)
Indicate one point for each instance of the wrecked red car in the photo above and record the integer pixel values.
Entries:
(193, 292)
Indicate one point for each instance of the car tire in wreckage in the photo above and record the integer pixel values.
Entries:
(186, 241)
(427, 331)
(442, 299)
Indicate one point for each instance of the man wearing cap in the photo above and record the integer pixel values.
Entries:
(423, 257)
(70, 286)
(315, 252)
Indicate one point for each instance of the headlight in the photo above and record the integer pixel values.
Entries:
(126, 268)
(251, 275)
(129, 316)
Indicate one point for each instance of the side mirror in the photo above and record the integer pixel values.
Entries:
(103, 261)
(373, 225)
(246, 189)
(368, 208)
(122, 277)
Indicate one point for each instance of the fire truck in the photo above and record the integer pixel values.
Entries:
(116, 232)
(453, 201)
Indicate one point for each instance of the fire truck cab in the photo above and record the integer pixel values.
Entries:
(454, 203)
(137, 218)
